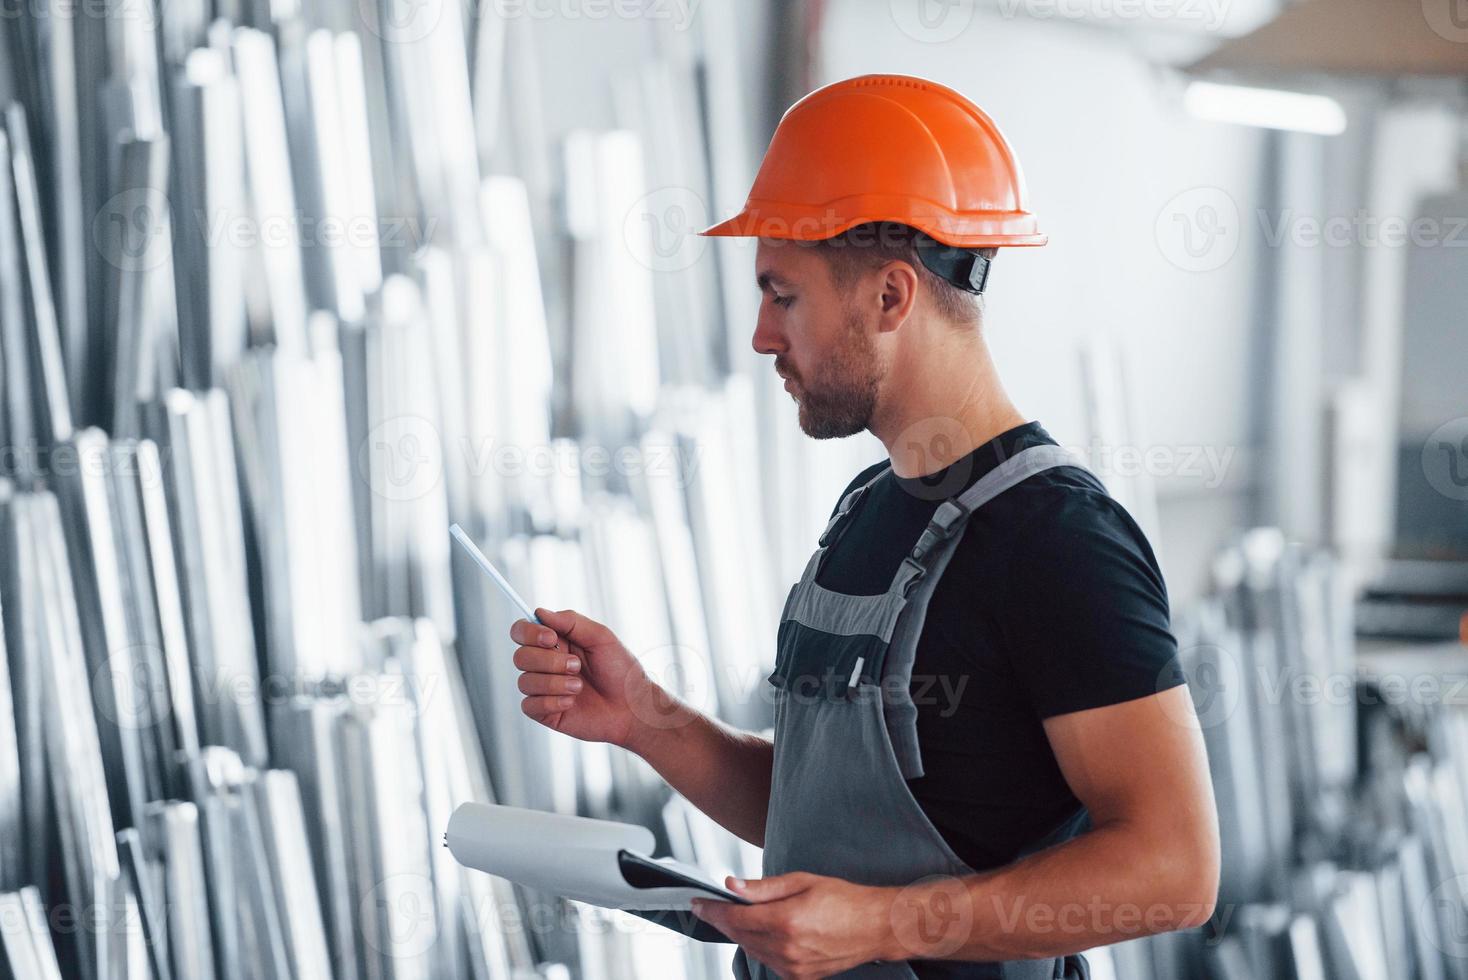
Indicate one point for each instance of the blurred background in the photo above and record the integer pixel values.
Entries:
(286, 288)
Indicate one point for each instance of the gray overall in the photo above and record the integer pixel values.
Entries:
(846, 725)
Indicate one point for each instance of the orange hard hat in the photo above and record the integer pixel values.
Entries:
(888, 148)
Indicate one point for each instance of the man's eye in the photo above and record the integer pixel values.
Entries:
(784, 301)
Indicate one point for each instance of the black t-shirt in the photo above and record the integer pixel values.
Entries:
(1052, 603)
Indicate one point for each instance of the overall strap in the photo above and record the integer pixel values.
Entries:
(954, 512)
(918, 577)
(837, 524)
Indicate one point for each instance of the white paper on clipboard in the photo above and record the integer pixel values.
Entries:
(577, 858)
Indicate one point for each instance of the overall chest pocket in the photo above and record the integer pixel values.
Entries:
(814, 667)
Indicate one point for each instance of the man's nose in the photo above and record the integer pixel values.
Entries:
(768, 339)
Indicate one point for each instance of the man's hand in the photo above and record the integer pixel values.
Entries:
(804, 925)
(580, 680)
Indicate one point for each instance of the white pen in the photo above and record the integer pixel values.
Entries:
(494, 573)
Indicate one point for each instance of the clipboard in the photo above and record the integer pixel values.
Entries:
(599, 862)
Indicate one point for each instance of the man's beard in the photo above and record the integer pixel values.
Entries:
(840, 397)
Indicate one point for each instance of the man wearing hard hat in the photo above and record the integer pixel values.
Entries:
(984, 758)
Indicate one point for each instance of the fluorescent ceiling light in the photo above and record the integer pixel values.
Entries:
(1266, 107)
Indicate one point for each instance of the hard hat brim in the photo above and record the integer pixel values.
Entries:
(798, 223)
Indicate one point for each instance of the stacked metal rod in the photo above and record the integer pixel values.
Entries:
(266, 327)
(1335, 864)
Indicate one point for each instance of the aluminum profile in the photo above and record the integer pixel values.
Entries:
(171, 841)
(25, 637)
(152, 907)
(272, 193)
(13, 871)
(305, 734)
(54, 417)
(392, 877)
(210, 189)
(109, 629)
(154, 552)
(202, 491)
(74, 749)
(290, 416)
(314, 116)
(276, 800)
(134, 244)
(18, 422)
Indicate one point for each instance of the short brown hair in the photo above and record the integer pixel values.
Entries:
(870, 245)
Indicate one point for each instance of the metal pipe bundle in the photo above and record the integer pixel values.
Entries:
(26, 952)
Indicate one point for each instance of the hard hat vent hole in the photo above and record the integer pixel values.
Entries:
(890, 82)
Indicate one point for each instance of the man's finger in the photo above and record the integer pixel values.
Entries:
(539, 706)
(549, 684)
(541, 661)
(748, 919)
(770, 889)
(528, 633)
(576, 627)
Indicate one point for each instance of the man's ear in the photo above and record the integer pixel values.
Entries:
(899, 293)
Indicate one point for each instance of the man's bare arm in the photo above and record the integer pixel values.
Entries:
(1150, 864)
(723, 771)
